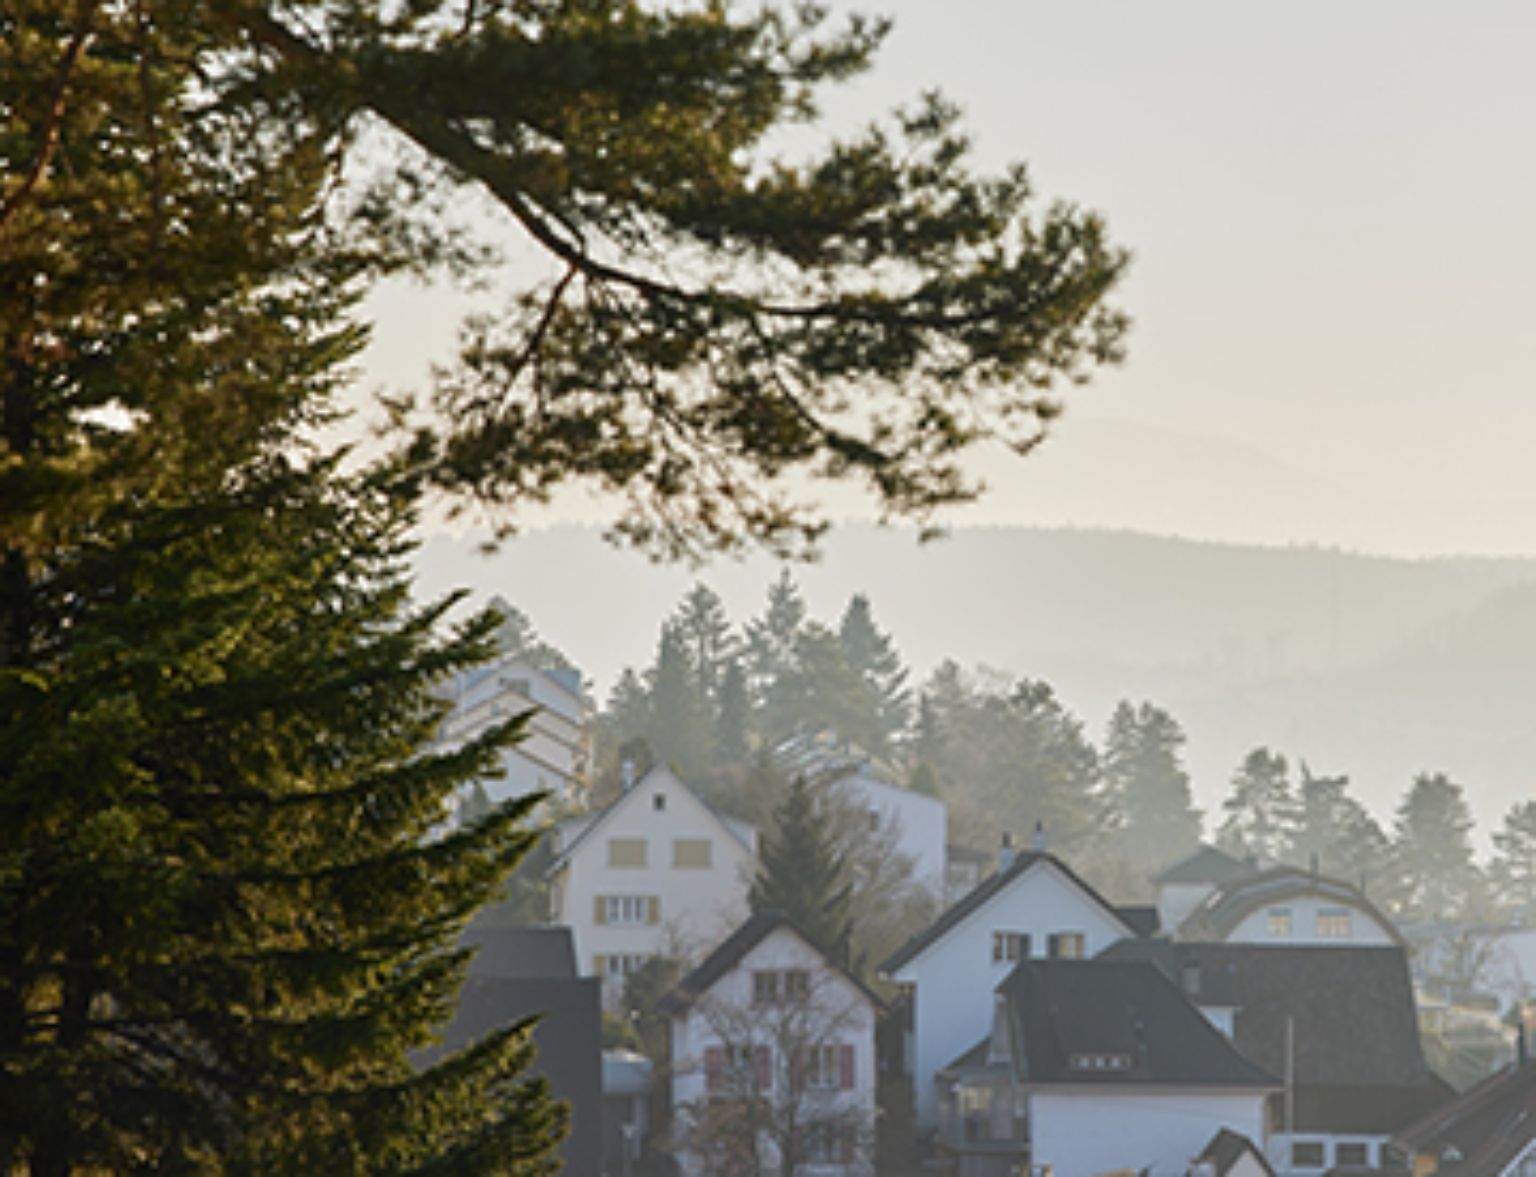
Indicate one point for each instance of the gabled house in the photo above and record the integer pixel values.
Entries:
(772, 1052)
(657, 872)
(1487, 1131)
(1338, 1022)
(1186, 884)
(1283, 905)
(1033, 907)
(1230, 1154)
(1077, 1046)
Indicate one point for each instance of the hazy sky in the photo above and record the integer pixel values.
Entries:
(1331, 211)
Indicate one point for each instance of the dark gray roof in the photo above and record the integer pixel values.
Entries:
(1490, 1124)
(1358, 1062)
(569, 1040)
(1231, 903)
(728, 954)
(1205, 865)
(1059, 1009)
(520, 953)
(1227, 1148)
(979, 895)
(1140, 918)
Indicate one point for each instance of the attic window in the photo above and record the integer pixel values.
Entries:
(1280, 922)
(1008, 947)
(659, 802)
(1333, 923)
(1098, 1063)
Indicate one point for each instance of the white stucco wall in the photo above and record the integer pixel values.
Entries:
(921, 823)
(1176, 900)
(954, 977)
(1281, 1145)
(698, 906)
(836, 1013)
(1364, 928)
(1081, 1133)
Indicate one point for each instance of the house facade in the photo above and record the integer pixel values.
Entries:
(918, 823)
(1283, 905)
(1077, 1046)
(657, 872)
(772, 1049)
(1032, 907)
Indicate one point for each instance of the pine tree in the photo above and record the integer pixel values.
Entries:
(1261, 812)
(801, 873)
(1512, 872)
(1146, 787)
(701, 625)
(871, 655)
(1434, 847)
(679, 730)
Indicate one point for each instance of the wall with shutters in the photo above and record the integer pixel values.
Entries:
(837, 1013)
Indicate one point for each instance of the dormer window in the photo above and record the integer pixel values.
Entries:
(1280, 922)
(1098, 1063)
(1333, 923)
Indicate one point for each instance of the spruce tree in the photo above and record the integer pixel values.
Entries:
(1434, 847)
(1513, 869)
(1147, 788)
(801, 872)
(1261, 811)
(871, 655)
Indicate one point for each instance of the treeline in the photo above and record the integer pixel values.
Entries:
(1004, 753)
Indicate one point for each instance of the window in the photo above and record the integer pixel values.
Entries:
(614, 967)
(874, 820)
(659, 802)
(1333, 923)
(1307, 1154)
(1280, 922)
(626, 852)
(772, 987)
(1008, 947)
(821, 1069)
(1351, 1154)
(628, 909)
(692, 853)
(1067, 946)
(1098, 1063)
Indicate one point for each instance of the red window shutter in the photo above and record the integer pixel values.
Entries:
(714, 1069)
(763, 1056)
(845, 1065)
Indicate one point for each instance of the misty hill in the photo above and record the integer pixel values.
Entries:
(1377, 666)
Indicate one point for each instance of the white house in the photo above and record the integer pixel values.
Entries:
(1032, 907)
(772, 1046)
(918, 822)
(1093, 1067)
(554, 755)
(1283, 905)
(657, 872)
(1186, 884)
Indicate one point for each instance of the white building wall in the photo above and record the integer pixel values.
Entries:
(1282, 1151)
(921, 823)
(696, 906)
(1176, 900)
(1081, 1133)
(839, 1013)
(955, 977)
(1304, 911)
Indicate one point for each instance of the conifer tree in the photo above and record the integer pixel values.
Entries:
(1146, 787)
(1434, 846)
(801, 872)
(871, 655)
(1513, 869)
(1261, 812)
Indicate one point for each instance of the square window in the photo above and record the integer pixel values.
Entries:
(1008, 947)
(692, 853)
(1308, 1154)
(1280, 922)
(1333, 923)
(797, 985)
(1351, 1154)
(626, 852)
(1068, 946)
(765, 988)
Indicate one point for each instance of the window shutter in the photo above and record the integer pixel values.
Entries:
(845, 1065)
(653, 909)
(714, 1068)
(599, 911)
(1053, 946)
(763, 1056)
(598, 963)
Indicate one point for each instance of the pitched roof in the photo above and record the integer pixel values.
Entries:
(1227, 1148)
(1358, 1063)
(729, 953)
(1490, 1124)
(740, 830)
(520, 953)
(981, 894)
(1141, 918)
(1205, 864)
(1232, 902)
(1065, 1014)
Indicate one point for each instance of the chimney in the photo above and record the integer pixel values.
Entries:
(1005, 853)
(1037, 844)
(627, 770)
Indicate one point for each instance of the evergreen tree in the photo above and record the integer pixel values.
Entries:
(870, 655)
(801, 872)
(1146, 787)
(516, 638)
(772, 642)
(1434, 847)
(733, 717)
(1261, 811)
(679, 730)
(701, 625)
(1512, 872)
(1338, 834)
